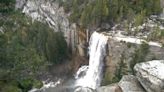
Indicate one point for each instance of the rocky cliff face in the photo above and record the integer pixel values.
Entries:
(151, 75)
(48, 11)
(149, 78)
(117, 49)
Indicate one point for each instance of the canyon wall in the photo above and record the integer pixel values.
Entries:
(49, 11)
(117, 49)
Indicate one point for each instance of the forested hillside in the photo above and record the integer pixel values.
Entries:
(94, 12)
(27, 49)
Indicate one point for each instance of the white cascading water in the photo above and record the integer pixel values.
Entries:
(90, 76)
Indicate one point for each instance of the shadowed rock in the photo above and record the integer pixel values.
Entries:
(129, 83)
(110, 88)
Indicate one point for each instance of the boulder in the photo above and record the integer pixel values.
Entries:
(109, 88)
(151, 75)
(129, 83)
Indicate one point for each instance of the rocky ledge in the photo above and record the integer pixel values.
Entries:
(151, 75)
(149, 78)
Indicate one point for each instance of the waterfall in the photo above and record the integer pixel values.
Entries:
(90, 76)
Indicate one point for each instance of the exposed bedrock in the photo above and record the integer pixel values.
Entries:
(151, 75)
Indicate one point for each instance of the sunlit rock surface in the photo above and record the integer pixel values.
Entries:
(47, 11)
(151, 75)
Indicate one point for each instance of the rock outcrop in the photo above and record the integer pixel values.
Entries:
(129, 83)
(149, 78)
(118, 48)
(151, 75)
(49, 11)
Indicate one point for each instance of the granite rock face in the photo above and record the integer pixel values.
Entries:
(129, 83)
(19, 4)
(151, 75)
(116, 49)
(49, 12)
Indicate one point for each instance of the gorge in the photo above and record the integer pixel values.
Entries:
(81, 46)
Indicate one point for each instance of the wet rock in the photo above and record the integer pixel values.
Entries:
(81, 89)
(151, 75)
(129, 83)
(81, 50)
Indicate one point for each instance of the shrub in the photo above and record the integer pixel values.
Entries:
(91, 13)
(156, 35)
(37, 84)
(56, 47)
(27, 48)
(26, 84)
(29, 83)
(121, 68)
(139, 55)
(10, 88)
(139, 19)
(7, 6)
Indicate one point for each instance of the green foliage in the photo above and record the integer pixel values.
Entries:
(7, 6)
(93, 13)
(19, 60)
(139, 55)
(121, 69)
(56, 47)
(37, 84)
(27, 48)
(157, 35)
(9, 86)
(28, 83)
(139, 18)
(22, 85)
